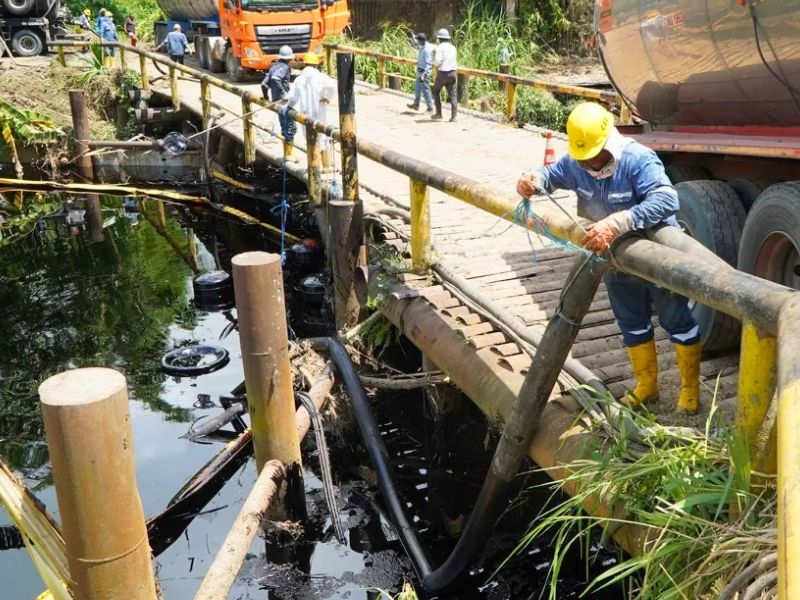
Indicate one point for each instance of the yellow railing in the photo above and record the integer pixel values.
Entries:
(507, 81)
(770, 312)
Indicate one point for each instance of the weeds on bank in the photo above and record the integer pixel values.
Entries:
(481, 39)
(407, 593)
(689, 491)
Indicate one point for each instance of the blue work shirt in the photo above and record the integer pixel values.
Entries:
(107, 31)
(99, 22)
(278, 80)
(425, 58)
(176, 43)
(639, 185)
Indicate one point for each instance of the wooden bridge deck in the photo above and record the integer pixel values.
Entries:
(494, 256)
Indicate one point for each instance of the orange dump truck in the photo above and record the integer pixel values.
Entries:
(717, 86)
(238, 36)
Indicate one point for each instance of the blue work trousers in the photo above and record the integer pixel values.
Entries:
(422, 86)
(632, 300)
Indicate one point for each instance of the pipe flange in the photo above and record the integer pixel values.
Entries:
(191, 361)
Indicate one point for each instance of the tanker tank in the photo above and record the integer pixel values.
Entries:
(711, 63)
(189, 10)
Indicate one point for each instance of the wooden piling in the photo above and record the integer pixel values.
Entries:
(248, 132)
(89, 438)
(258, 286)
(80, 127)
(345, 245)
(314, 165)
(345, 71)
(143, 72)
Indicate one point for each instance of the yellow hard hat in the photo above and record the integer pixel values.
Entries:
(87, 12)
(588, 128)
(312, 58)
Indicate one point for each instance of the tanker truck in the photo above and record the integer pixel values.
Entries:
(27, 25)
(716, 87)
(244, 36)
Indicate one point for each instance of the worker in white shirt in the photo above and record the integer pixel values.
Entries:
(311, 94)
(446, 65)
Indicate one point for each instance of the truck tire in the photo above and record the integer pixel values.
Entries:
(27, 42)
(748, 190)
(678, 173)
(215, 64)
(233, 67)
(201, 46)
(19, 7)
(770, 245)
(712, 213)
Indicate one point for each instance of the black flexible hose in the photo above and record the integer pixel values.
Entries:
(557, 340)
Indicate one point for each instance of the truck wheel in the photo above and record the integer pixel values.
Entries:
(770, 245)
(748, 190)
(678, 173)
(19, 7)
(27, 43)
(201, 45)
(215, 65)
(233, 67)
(712, 213)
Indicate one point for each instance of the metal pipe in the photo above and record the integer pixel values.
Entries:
(126, 144)
(788, 451)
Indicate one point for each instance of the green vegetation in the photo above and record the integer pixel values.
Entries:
(23, 125)
(481, 39)
(689, 491)
(146, 12)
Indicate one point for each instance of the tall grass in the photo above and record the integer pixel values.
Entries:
(691, 495)
(480, 39)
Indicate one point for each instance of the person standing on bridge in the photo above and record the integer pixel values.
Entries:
(275, 87)
(176, 43)
(108, 33)
(445, 60)
(422, 84)
(622, 185)
(310, 94)
(100, 16)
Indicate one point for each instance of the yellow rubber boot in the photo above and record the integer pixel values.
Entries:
(689, 365)
(645, 368)
(288, 150)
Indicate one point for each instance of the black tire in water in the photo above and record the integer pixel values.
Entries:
(712, 213)
(770, 245)
(748, 190)
(19, 7)
(233, 67)
(26, 42)
(678, 173)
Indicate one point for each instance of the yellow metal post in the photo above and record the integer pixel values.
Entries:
(249, 132)
(329, 61)
(61, 58)
(789, 451)
(173, 88)
(314, 165)
(381, 73)
(122, 57)
(511, 101)
(205, 102)
(420, 226)
(143, 72)
(757, 373)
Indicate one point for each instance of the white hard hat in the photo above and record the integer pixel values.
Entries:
(285, 53)
(443, 34)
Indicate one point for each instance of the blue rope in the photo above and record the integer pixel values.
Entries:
(284, 207)
(524, 214)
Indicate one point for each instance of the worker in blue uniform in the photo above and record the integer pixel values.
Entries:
(622, 186)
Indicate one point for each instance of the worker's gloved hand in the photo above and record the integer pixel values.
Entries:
(529, 184)
(602, 234)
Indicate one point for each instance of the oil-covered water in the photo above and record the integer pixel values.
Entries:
(126, 300)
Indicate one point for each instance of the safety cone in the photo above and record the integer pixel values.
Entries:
(549, 151)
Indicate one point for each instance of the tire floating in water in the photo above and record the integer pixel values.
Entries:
(191, 361)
